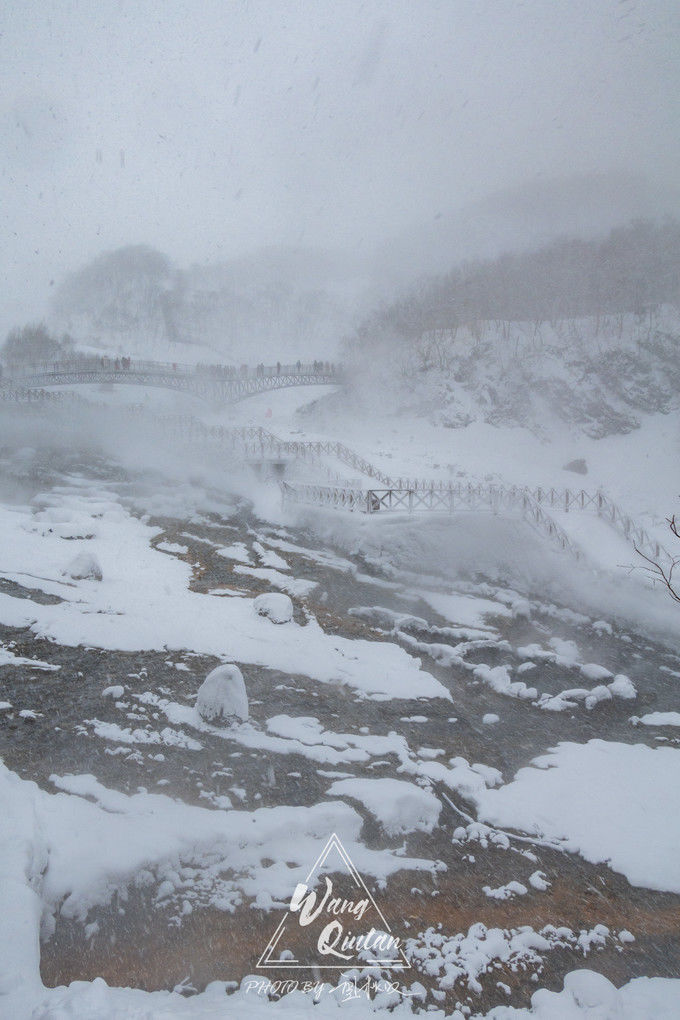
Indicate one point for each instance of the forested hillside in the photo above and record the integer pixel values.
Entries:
(278, 303)
(587, 332)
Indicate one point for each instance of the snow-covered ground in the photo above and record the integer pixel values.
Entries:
(487, 748)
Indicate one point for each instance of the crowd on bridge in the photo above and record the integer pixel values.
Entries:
(118, 364)
(103, 364)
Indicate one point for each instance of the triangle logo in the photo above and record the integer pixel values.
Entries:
(333, 923)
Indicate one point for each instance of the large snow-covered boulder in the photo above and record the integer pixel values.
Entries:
(276, 607)
(222, 695)
(83, 566)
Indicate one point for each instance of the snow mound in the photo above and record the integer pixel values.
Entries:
(505, 892)
(222, 695)
(538, 881)
(115, 691)
(84, 566)
(275, 606)
(657, 719)
(622, 687)
(399, 806)
(588, 994)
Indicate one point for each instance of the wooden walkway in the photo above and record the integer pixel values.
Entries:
(497, 499)
(257, 446)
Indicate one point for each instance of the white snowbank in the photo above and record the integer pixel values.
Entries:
(400, 807)
(222, 695)
(610, 802)
(173, 547)
(658, 719)
(465, 610)
(269, 558)
(298, 586)
(9, 658)
(587, 994)
(237, 551)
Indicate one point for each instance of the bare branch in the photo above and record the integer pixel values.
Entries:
(657, 572)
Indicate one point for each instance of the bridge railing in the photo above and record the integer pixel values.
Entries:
(107, 365)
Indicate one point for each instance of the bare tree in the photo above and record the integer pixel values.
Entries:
(31, 345)
(664, 574)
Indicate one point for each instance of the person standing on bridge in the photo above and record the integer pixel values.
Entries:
(298, 365)
(278, 368)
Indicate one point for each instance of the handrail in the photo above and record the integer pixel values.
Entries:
(253, 442)
(455, 498)
(110, 365)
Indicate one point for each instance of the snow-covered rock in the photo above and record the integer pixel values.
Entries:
(622, 687)
(505, 892)
(275, 606)
(83, 566)
(222, 695)
(593, 671)
(115, 691)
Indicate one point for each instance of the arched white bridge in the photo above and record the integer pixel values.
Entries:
(219, 382)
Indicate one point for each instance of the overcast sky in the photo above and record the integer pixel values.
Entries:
(213, 127)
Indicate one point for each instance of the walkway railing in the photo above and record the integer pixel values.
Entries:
(454, 498)
(253, 443)
(605, 508)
